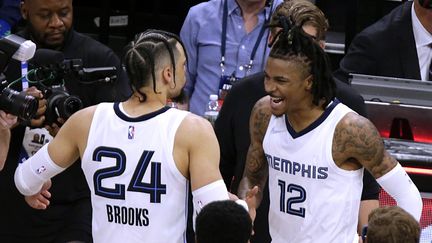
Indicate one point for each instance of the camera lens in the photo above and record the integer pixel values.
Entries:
(18, 104)
(68, 105)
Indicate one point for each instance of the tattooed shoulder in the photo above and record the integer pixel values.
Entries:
(357, 138)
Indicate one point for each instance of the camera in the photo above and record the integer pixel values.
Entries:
(60, 104)
(50, 71)
(16, 103)
(19, 104)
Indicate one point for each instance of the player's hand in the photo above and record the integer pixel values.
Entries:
(7, 120)
(54, 128)
(41, 199)
(251, 200)
(39, 118)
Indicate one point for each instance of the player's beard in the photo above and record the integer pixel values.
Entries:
(180, 98)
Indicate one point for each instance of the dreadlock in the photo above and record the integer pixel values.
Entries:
(144, 53)
(292, 43)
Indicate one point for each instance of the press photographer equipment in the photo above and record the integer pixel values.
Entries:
(11, 101)
(49, 70)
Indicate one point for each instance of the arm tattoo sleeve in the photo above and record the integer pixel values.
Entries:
(356, 138)
(256, 169)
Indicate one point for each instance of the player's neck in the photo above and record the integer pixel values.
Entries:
(137, 106)
(302, 117)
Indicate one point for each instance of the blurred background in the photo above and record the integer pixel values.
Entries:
(114, 22)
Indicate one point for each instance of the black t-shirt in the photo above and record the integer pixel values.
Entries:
(69, 215)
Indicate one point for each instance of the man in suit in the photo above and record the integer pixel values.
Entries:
(398, 45)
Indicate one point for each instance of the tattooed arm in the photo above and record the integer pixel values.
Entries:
(256, 168)
(357, 141)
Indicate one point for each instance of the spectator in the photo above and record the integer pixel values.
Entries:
(223, 222)
(391, 224)
(398, 45)
(232, 125)
(49, 25)
(312, 149)
(216, 56)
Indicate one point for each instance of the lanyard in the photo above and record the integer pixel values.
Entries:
(223, 39)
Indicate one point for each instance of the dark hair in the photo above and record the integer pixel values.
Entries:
(147, 51)
(223, 222)
(392, 224)
(293, 44)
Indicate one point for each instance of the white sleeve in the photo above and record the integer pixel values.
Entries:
(31, 175)
(215, 191)
(399, 185)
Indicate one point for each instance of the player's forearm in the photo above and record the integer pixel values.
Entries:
(34, 172)
(398, 184)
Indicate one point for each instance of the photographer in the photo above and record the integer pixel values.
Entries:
(6, 122)
(68, 219)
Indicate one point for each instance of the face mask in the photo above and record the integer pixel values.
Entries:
(426, 3)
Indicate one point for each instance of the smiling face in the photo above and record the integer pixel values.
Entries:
(49, 21)
(288, 83)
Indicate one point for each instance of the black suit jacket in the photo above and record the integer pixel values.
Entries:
(386, 48)
(232, 131)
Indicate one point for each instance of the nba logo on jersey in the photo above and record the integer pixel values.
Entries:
(131, 132)
(40, 170)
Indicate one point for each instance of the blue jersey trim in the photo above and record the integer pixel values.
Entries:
(145, 117)
(314, 124)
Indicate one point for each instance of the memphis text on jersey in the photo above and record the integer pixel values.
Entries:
(296, 168)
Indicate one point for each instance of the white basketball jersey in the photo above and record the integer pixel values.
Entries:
(137, 192)
(311, 198)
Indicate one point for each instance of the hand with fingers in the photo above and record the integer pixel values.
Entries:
(41, 199)
(251, 200)
(7, 120)
(39, 118)
(55, 127)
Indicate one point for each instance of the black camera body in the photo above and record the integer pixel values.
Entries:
(50, 71)
(16, 103)
(60, 104)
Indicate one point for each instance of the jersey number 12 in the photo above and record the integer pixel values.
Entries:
(286, 206)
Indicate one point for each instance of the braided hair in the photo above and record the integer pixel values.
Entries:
(143, 55)
(292, 43)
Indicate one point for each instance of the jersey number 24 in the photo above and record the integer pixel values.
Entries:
(154, 188)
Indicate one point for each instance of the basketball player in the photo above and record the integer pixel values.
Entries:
(138, 156)
(313, 149)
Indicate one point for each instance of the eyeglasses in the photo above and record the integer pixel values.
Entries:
(364, 233)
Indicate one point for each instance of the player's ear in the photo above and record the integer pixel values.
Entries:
(309, 82)
(168, 76)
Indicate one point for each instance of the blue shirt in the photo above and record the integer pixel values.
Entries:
(10, 11)
(201, 35)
